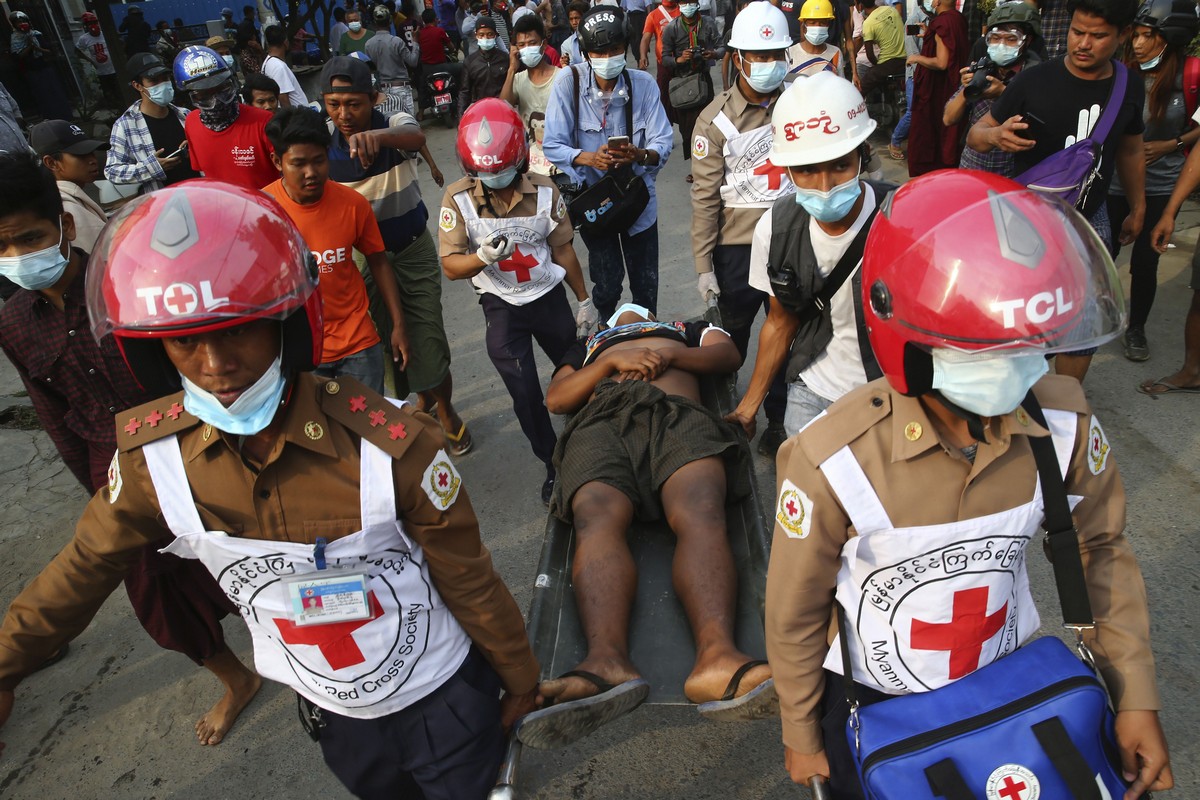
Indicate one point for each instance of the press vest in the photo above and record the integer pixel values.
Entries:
(366, 668)
(751, 180)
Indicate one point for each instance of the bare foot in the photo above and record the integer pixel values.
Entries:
(1184, 379)
(710, 679)
(559, 690)
(213, 726)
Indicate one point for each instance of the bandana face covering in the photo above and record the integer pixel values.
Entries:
(220, 116)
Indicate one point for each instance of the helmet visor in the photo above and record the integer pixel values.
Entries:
(209, 98)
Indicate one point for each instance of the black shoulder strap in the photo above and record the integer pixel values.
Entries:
(1061, 536)
(575, 81)
(846, 264)
(629, 108)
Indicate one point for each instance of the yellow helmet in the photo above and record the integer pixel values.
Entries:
(817, 9)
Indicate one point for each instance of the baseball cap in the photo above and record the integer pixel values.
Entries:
(60, 136)
(350, 69)
(486, 22)
(145, 65)
(381, 12)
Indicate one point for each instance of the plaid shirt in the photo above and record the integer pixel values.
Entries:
(996, 161)
(76, 385)
(131, 157)
(1056, 20)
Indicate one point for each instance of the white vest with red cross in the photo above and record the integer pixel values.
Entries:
(408, 646)
(529, 272)
(929, 605)
(751, 180)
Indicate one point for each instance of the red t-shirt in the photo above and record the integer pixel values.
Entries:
(657, 22)
(333, 228)
(240, 154)
(433, 40)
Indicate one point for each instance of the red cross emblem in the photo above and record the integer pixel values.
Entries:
(520, 264)
(774, 174)
(397, 431)
(132, 427)
(969, 628)
(358, 404)
(377, 418)
(174, 411)
(180, 299)
(791, 508)
(1012, 789)
(153, 418)
(443, 478)
(335, 639)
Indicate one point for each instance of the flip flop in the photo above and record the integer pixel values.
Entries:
(895, 152)
(459, 443)
(58, 656)
(761, 702)
(564, 723)
(1168, 388)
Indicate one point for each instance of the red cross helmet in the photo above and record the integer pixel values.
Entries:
(491, 138)
(195, 257)
(975, 262)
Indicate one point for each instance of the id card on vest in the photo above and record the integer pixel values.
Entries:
(751, 180)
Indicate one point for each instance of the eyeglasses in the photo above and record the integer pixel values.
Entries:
(1003, 37)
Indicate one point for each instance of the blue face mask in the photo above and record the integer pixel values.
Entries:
(833, 205)
(986, 384)
(499, 180)
(38, 270)
(250, 413)
(1004, 54)
(1154, 62)
(689, 10)
(765, 78)
(161, 94)
(486, 43)
(355, 26)
(531, 56)
(634, 307)
(816, 36)
(608, 68)
(228, 60)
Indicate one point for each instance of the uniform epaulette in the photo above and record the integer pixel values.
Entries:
(371, 415)
(460, 185)
(851, 417)
(1063, 393)
(152, 421)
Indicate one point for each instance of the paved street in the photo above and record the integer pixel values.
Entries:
(114, 720)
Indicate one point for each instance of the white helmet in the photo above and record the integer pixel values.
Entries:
(760, 26)
(818, 119)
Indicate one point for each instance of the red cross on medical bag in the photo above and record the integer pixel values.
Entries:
(1036, 723)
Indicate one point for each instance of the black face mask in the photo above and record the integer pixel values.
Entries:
(220, 116)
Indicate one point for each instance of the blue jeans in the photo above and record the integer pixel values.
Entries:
(611, 257)
(365, 366)
(803, 406)
(900, 132)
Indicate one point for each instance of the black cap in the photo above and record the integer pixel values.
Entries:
(356, 72)
(145, 65)
(59, 136)
(486, 22)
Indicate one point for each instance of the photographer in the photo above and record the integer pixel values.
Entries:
(1011, 30)
(690, 43)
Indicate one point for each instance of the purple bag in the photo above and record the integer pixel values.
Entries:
(1069, 173)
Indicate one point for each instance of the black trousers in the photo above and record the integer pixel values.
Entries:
(447, 746)
(835, 711)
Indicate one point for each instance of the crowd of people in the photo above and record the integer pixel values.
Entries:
(238, 391)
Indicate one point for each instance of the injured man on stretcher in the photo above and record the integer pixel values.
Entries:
(642, 446)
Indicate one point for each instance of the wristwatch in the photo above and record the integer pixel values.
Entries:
(1178, 142)
(645, 157)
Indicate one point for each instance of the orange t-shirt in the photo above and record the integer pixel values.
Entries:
(657, 22)
(333, 227)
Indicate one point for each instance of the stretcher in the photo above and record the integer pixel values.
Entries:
(660, 639)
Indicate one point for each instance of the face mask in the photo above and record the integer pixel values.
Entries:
(228, 60)
(250, 413)
(765, 78)
(816, 36)
(94, 30)
(24, 27)
(498, 180)
(1004, 54)
(486, 43)
(608, 68)
(355, 26)
(39, 270)
(531, 56)
(161, 93)
(984, 383)
(830, 206)
(645, 312)
(166, 32)
(689, 9)
(1152, 63)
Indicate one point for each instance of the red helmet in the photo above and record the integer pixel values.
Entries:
(88, 18)
(200, 256)
(973, 262)
(491, 138)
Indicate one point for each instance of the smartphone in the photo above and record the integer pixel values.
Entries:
(913, 30)
(615, 142)
(1036, 129)
(182, 149)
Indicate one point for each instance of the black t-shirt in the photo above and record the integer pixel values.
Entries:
(1070, 107)
(167, 135)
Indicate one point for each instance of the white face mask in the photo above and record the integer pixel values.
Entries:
(250, 413)
(986, 384)
(645, 312)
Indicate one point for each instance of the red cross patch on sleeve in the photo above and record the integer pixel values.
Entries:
(441, 482)
(794, 511)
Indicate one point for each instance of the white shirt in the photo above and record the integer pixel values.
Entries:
(277, 70)
(521, 11)
(89, 218)
(97, 52)
(839, 369)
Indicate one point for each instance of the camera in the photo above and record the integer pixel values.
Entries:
(983, 68)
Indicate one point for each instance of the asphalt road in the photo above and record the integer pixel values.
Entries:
(115, 718)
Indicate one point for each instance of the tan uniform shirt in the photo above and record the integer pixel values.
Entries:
(712, 222)
(308, 488)
(452, 230)
(923, 480)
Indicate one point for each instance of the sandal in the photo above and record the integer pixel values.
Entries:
(896, 152)
(459, 444)
(689, 179)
